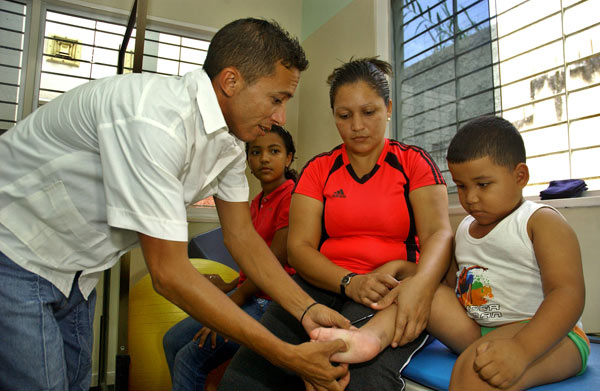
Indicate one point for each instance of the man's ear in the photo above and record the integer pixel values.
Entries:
(229, 81)
(522, 174)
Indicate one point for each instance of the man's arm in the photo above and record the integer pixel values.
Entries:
(174, 277)
(261, 266)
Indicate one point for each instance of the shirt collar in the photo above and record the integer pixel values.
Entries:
(212, 116)
(279, 189)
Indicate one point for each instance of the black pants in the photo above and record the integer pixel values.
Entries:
(250, 371)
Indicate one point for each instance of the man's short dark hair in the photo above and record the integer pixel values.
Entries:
(253, 46)
(488, 136)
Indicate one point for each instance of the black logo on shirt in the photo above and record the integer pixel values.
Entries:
(339, 194)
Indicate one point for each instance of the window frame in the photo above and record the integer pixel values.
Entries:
(113, 16)
(22, 85)
(503, 107)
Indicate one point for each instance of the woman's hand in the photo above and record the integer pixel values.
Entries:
(367, 289)
(398, 269)
(413, 299)
(203, 334)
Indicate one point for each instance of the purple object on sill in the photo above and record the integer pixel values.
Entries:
(567, 188)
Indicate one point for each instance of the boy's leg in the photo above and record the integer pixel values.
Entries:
(362, 344)
(75, 319)
(449, 322)
(32, 351)
(384, 371)
(559, 363)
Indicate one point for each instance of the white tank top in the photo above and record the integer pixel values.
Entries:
(499, 281)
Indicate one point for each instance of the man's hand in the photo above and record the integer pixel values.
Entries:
(413, 306)
(343, 382)
(310, 360)
(500, 363)
(367, 289)
(322, 316)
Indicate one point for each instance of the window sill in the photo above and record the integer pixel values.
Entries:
(202, 215)
(587, 199)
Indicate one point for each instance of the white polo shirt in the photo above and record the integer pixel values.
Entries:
(83, 174)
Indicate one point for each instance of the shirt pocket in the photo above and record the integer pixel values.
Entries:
(50, 225)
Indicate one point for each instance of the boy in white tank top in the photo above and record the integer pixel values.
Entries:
(512, 299)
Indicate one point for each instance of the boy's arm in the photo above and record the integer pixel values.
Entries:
(559, 259)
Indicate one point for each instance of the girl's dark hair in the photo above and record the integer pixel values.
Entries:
(488, 136)
(370, 70)
(288, 143)
(254, 47)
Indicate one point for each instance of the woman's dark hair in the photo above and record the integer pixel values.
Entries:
(370, 70)
(253, 46)
(488, 136)
(288, 143)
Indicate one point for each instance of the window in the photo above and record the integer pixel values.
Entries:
(443, 71)
(13, 15)
(535, 62)
(78, 49)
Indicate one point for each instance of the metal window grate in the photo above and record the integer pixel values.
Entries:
(98, 43)
(13, 16)
(535, 62)
(443, 70)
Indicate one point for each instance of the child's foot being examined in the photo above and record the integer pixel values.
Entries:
(363, 345)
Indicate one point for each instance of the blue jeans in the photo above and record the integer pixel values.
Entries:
(188, 363)
(45, 338)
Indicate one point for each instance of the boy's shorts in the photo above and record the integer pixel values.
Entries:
(576, 335)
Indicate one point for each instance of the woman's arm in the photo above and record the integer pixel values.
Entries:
(450, 278)
(303, 241)
(414, 294)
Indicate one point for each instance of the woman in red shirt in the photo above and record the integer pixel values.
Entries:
(368, 201)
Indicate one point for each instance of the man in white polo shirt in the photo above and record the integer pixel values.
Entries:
(113, 164)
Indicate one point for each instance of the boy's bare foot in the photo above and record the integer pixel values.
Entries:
(363, 345)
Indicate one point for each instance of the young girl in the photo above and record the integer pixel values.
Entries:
(189, 351)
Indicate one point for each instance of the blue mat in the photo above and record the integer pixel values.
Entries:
(432, 367)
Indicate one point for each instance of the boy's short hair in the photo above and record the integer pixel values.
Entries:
(488, 136)
(253, 46)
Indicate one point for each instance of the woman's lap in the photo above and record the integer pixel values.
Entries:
(255, 372)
